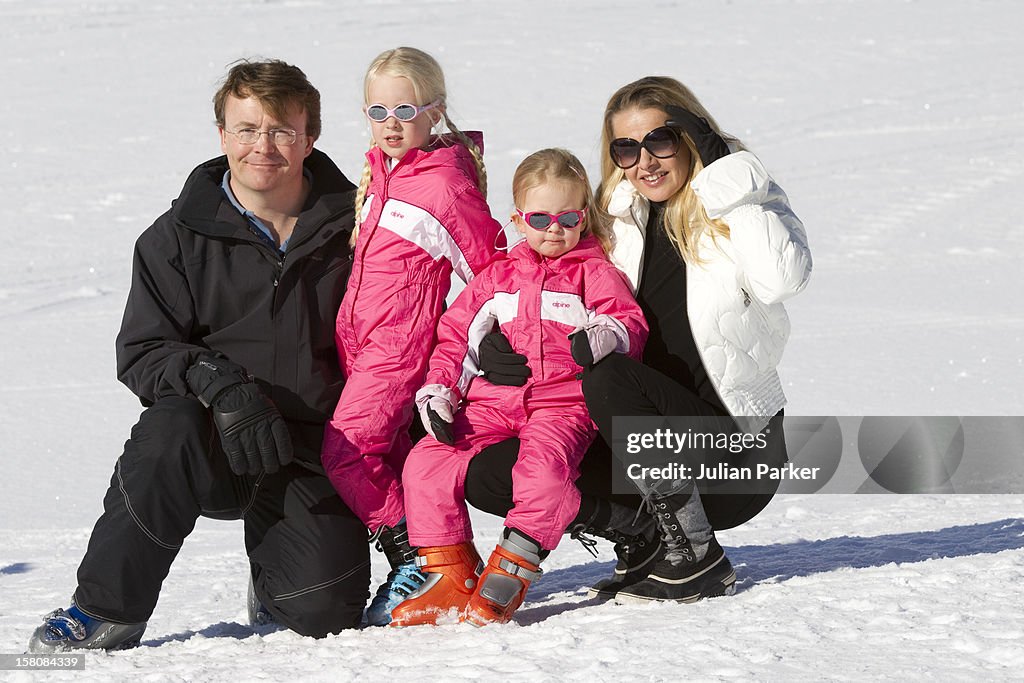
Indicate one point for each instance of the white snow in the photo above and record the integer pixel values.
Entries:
(896, 130)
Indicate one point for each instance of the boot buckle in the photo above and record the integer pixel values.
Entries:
(510, 567)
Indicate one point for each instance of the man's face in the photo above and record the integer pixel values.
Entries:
(265, 169)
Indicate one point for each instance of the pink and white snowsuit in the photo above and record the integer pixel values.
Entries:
(420, 220)
(537, 302)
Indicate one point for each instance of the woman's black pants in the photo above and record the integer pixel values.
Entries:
(621, 386)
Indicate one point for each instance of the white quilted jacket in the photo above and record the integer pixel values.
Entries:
(734, 299)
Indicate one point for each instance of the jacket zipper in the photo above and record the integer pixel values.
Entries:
(367, 237)
(700, 351)
(643, 244)
(366, 241)
(750, 303)
(282, 264)
(278, 275)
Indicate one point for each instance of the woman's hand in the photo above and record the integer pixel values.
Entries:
(710, 144)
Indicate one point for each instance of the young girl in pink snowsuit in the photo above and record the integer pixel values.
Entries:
(420, 214)
(563, 305)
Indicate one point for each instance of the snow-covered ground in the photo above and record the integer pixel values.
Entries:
(896, 129)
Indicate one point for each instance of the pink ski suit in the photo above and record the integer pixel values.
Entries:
(421, 219)
(537, 302)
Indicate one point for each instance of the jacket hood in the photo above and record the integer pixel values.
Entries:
(203, 207)
(442, 150)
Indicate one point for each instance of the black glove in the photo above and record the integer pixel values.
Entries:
(710, 144)
(500, 364)
(252, 432)
(441, 427)
(579, 347)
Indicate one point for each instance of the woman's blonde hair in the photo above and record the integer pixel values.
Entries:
(427, 80)
(684, 219)
(561, 165)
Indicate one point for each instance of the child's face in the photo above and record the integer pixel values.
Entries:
(393, 136)
(552, 197)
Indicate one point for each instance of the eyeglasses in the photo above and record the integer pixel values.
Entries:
(282, 137)
(542, 220)
(661, 143)
(403, 112)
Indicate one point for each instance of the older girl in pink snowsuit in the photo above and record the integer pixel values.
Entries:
(563, 305)
(421, 214)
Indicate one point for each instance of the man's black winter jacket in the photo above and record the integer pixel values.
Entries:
(202, 281)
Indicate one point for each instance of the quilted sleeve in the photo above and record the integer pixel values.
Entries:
(768, 240)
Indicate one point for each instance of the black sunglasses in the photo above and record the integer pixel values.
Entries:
(661, 142)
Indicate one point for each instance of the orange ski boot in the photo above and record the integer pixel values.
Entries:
(452, 573)
(512, 567)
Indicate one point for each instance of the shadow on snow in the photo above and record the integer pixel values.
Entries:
(772, 563)
(224, 629)
(754, 564)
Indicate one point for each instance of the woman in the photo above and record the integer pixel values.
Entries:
(712, 248)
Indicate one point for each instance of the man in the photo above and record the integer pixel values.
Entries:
(228, 339)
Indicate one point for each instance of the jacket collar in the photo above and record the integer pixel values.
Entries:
(442, 150)
(588, 248)
(203, 207)
(629, 205)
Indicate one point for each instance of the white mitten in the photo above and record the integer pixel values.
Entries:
(437, 411)
(595, 340)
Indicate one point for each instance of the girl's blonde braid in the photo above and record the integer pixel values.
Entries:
(364, 185)
(478, 157)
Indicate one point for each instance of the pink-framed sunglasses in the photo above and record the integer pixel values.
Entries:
(403, 112)
(542, 220)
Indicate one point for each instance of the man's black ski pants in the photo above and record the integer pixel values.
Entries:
(308, 552)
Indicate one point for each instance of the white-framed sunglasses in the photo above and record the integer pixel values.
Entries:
(378, 113)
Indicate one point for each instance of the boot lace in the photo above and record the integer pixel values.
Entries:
(678, 549)
(589, 544)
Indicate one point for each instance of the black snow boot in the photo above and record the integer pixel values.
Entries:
(694, 566)
(258, 613)
(404, 577)
(394, 543)
(637, 544)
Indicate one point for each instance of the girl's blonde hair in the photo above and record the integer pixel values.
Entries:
(685, 219)
(427, 80)
(561, 165)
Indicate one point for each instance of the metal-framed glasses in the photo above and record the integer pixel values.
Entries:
(542, 220)
(282, 137)
(378, 113)
(661, 143)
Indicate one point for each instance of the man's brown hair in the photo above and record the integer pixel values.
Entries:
(277, 85)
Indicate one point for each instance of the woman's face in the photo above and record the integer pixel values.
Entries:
(656, 179)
